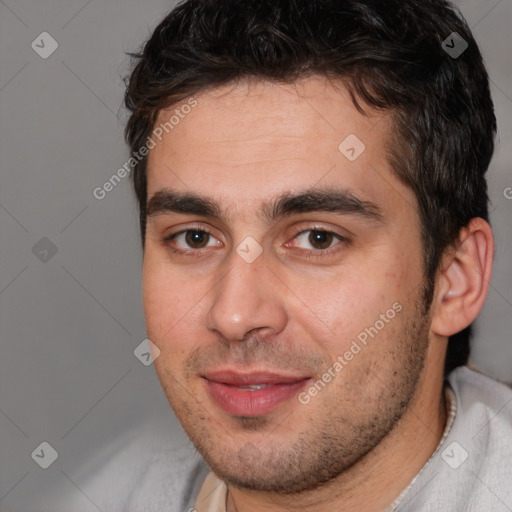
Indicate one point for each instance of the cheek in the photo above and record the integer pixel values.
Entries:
(158, 294)
(342, 305)
(172, 306)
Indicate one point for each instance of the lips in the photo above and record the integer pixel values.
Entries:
(251, 394)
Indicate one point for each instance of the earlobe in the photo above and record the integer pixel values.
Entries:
(463, 279)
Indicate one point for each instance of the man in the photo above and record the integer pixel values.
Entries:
(313, 207)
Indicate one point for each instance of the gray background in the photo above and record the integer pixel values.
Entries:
(69, 325)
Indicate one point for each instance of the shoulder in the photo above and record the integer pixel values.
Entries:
(170, 481)
(482, 398)
(484, 426)
(151, 467)
(472, 468)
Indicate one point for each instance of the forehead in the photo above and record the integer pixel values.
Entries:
(246, 142)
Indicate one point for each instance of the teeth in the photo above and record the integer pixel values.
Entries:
(252, 387)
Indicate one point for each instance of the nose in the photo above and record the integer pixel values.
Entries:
(246, 299)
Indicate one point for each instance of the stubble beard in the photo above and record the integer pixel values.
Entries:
(347, 429)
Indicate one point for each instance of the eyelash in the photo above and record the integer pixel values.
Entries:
(309, 254)
(167, 240)
(315, 253)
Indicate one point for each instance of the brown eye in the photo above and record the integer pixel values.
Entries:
(197, 239)
(191, 242)
(320, 239)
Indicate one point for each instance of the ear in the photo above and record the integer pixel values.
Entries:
(463, 279)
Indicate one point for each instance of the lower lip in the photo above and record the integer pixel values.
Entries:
(238, 402)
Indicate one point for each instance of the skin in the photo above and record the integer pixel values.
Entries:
(357, 443)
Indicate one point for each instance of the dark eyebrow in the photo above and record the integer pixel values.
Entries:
(322, 200)
(165, 201)
(311, 200)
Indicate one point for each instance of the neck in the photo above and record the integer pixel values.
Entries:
(378, 478)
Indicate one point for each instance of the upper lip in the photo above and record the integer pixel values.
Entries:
(236, 378)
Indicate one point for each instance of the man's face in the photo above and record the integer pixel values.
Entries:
(255, 299)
